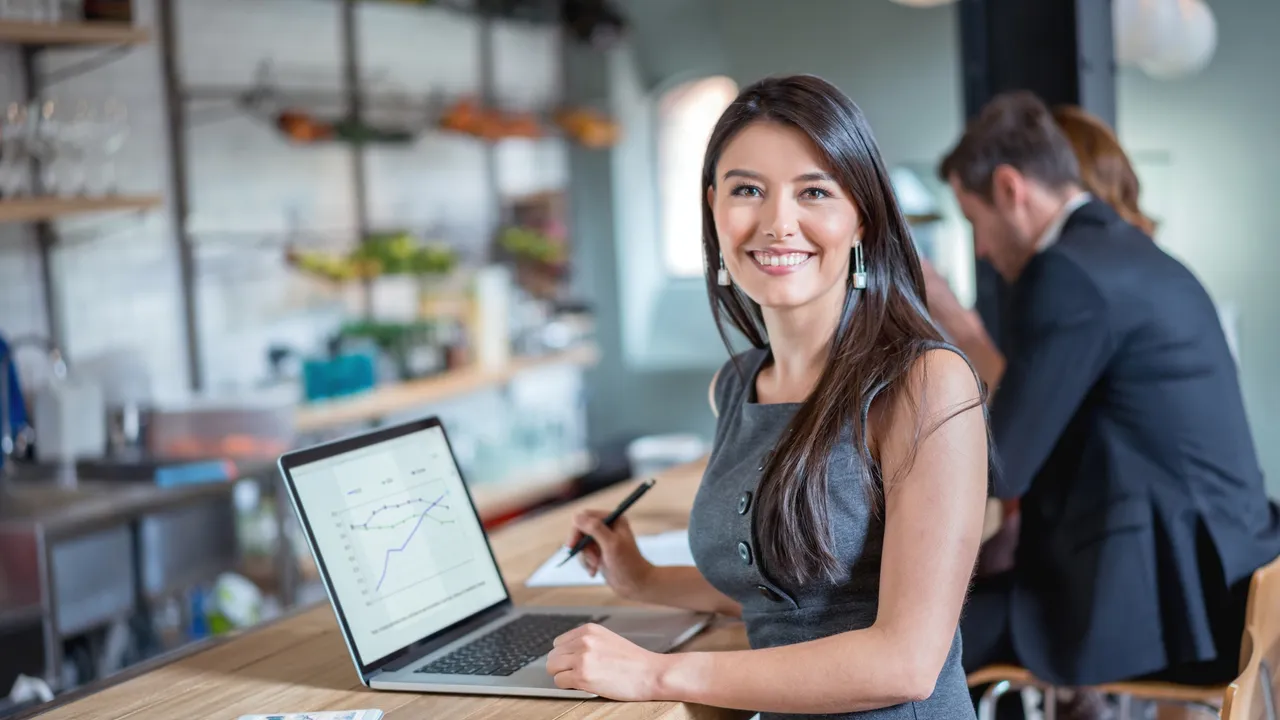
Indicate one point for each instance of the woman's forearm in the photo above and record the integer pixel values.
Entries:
(851, 672)
(684, 587)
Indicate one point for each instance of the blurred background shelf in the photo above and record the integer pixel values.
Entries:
(516, 495)
(78, 33)
(52, 208)
(390, 399)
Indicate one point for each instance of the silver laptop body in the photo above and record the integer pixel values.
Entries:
(412, 578)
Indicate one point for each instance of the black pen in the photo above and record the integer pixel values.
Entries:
(611, 519)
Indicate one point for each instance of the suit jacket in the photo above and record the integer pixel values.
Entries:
(1120, 425)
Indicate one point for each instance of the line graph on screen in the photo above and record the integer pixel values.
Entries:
(402, 538)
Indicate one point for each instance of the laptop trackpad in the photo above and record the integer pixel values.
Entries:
(651, 632)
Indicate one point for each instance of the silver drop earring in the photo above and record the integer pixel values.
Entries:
(859, 268)
(722, 276)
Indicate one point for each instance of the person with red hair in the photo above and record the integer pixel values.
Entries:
(1105, 169)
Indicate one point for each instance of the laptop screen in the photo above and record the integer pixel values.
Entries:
(405, 553)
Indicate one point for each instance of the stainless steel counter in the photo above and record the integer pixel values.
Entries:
(73, 559)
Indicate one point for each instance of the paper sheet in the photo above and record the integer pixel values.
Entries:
(669, 548)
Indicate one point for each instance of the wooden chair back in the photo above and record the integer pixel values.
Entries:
(1254, 694)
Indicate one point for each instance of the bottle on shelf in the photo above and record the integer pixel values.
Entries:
(108, 10)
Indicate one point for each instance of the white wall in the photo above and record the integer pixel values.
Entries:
(899, 64)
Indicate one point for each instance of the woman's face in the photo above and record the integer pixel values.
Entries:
(786, 228)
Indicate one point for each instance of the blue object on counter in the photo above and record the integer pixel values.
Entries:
(341, 375)
(199, 627)
(193, 473)
(17, 406)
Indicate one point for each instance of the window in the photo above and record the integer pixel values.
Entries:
(686, 116)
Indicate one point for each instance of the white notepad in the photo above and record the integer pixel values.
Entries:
(668, 548)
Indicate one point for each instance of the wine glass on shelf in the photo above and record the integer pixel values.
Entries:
(16, 10)
(50, 11)
(46, 144)
(14, 151)
(82, 133)
(115, 130)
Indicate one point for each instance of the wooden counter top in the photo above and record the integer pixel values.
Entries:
(300, 663)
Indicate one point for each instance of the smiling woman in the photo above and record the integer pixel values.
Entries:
(842, 505)
(768, 190)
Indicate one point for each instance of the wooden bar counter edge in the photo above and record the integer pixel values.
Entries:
(299, 662)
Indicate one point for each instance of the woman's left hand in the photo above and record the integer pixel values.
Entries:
(600, 661)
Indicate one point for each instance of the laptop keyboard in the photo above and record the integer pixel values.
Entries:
(507, 649)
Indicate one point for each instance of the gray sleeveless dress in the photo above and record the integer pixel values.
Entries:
(722, 538)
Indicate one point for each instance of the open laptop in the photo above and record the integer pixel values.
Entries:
(413, 580)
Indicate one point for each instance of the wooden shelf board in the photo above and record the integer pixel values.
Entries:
(49, 208)
(77, 33)
(390, 399)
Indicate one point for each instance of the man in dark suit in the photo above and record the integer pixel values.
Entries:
(1118, 422)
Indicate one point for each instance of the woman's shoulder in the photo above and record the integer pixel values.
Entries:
(929, 357)
(942, 365)
(742, 365)
(733, 375)
(940, 382)
(939, 370)
(941, 351)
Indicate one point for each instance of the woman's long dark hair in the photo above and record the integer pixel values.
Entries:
(879, 336)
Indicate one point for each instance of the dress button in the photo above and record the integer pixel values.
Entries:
(744, 552)
(769, 594)
(744, 503)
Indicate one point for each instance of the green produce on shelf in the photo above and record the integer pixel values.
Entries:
(530, 244)
(335, 268)
(393, 253)
(386, 335)
(434, 259)
(383, 254)
(363, 133)
(304, 127)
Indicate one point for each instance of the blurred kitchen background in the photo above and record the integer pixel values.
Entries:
(233, 227)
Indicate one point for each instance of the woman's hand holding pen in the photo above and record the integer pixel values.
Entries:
(603, 542)
(614, 553)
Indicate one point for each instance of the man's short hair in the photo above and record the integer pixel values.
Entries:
(1014, 129)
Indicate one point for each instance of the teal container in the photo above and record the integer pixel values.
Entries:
(341, 375)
